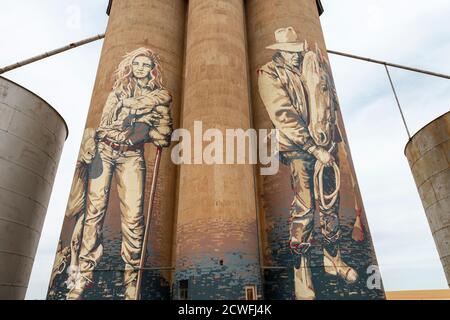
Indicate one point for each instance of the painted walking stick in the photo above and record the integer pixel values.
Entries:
(149, 220)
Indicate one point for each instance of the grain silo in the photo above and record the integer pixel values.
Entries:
(137, 95)
(428, 153)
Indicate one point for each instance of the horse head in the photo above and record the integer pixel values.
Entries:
(320, 97)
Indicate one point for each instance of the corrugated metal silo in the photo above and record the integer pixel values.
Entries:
(32, 136)
(428, 154)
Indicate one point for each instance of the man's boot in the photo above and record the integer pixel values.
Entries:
(76, 292)
(334, 265)
(304, 289)
(130, 281)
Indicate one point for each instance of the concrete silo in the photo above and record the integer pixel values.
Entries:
(32, 135)
(217, 255)
(428, 154)
(316, 241)
(136, 98)
(219, 229)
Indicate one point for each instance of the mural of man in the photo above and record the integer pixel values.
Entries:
(298, 93)
(137, 111)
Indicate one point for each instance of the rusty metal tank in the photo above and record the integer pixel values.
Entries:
(32, 135)
(428, 154)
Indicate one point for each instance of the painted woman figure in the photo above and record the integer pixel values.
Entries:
(136, 112)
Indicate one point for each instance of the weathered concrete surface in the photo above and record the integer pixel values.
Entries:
(32, 135)
(264, 17)
(159, 26)
(428, 154)
(217, 241)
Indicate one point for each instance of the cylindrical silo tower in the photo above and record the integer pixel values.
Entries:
(316, 240)
(134, 107)
(428, 154)
(217, 253)
(32, 135)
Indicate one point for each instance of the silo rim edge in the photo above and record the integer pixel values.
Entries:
(421, 129)
(320, 7)
(43, 100)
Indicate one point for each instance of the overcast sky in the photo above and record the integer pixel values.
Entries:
(411, 32)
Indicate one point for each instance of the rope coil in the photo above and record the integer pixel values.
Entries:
(327, 201)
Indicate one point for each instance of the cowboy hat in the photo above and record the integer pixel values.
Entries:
(287, 40)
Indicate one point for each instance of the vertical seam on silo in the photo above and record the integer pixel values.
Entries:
(177, 179)
(255, 167)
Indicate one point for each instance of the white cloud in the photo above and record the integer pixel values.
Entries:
(411, 33)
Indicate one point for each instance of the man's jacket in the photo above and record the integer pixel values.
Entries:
(284, 97)
(151, 123)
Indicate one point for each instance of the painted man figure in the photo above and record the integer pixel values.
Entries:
(297, 91)
(136, 112)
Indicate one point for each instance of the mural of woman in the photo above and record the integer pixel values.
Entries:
(137, 111)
